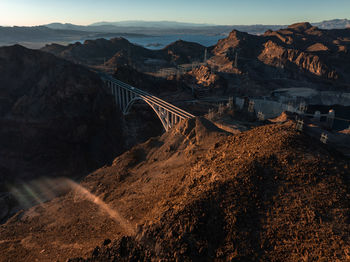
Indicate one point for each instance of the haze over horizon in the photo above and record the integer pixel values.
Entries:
(222, 12)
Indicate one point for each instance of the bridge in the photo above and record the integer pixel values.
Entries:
(126, 95)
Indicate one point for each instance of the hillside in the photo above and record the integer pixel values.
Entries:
(300, 55)
(96, 51)
(55, 119)
(119, 52)
(197, 193)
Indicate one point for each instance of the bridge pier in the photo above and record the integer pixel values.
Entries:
(119, 96)
(115, 94)
(123, 99)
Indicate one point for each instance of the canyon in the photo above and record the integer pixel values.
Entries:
(80, 181)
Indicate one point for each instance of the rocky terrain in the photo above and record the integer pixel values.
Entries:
(229, 189)
(119, 51)
(197, 193)
(300, 55)
(56, 119)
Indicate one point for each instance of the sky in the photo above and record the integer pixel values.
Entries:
(223, 12)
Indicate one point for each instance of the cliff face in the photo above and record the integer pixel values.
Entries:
(307, 47)
(205, 79)
(298, 55)
(55, 117)
(279, 56)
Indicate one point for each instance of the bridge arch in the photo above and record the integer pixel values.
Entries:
(126, 95)
(135, 99)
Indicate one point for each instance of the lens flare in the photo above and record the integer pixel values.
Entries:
(32, 193)
(115, 215)
(45, 189)
(20, 197)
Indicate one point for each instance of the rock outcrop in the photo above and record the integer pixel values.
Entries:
(278, 56)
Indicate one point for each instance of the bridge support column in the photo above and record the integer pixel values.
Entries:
(167, 119)
(119, 97)
(110, 85)
(115, 94)
(123, 99)
(129, 97)
(126, 94)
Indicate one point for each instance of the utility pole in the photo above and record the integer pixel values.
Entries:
(205, 55)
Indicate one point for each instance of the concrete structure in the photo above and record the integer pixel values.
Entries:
(125, 96)
(312, 96)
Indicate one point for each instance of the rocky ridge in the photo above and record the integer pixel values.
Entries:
(199, 193)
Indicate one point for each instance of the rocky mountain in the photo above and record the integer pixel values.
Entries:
(119, 52)
(197, 193)
(183, 52)
(37, 36)
(299, 55)
(56, 119)
(97, 51)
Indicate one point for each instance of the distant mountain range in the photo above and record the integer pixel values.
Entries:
(36, 36)
(329, 24)
(333, 24)
(172, 27)
(58, 32)
(159, 24)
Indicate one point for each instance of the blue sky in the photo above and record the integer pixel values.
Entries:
(36, 12)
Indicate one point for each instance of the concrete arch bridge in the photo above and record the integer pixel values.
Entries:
(126, 95)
